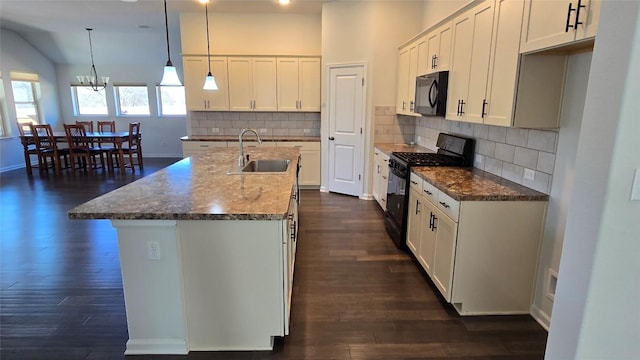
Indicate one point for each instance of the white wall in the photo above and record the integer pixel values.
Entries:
(436, 10)
(251, 34)
(160, 135)
(595, 313)
(576, 83)
(366, 32)
(18, 55)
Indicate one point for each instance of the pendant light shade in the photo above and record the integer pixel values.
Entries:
(209, 81)
(170, 77)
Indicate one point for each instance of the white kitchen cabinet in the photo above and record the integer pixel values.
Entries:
(195, 70)
(309, 176)
(470, 62)
(298, 82)
(252, 83)
(380, 177)
(408, 60)
(481, 255)
(439, 48)
(190, 148)
(548, 24)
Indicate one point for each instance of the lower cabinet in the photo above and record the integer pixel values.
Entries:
(309, 176)
(380, 177)
(481, 255)
(195, 147)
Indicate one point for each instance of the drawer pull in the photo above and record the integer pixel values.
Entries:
(444, 204)
(428, 192)
(414, 183)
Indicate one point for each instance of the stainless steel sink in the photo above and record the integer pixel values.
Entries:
(266, 166)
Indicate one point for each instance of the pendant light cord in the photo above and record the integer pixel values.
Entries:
(166, 27)
(206, 16)
(90, 46)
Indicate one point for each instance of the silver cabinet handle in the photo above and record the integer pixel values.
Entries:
(444, 204)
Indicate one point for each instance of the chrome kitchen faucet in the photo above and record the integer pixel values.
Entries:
(241, 160)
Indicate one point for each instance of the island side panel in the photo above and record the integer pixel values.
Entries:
(152, 287)
(233, 273)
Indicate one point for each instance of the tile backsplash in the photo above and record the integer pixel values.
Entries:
(267, 123)
(524, 156)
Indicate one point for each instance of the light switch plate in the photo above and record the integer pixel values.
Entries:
(215, 130)
(307, 130)
(479, 159)
(263, 130)
(529, 174)
(635, 187)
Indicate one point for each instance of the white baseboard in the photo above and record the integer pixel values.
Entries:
(156, 346)
(541, 317)
(323, 189)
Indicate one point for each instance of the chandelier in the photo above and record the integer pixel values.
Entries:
(91, 80)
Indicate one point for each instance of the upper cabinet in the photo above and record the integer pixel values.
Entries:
(195, 70)
(409, 59)
(298, 83)
(439, 49)
(252, 83)
(549, 24)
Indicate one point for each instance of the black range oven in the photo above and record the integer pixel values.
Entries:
(453, 150)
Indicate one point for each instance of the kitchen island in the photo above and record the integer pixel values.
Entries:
(206, 256)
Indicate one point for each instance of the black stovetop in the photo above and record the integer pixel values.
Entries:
(428, 159)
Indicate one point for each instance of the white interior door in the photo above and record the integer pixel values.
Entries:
(346, 118)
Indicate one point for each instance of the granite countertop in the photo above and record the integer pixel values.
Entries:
(389, 148)
(282, 138)
(471, 184)
(199, 188)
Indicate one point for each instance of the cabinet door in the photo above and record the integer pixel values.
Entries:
(403, 79)
(444, 254)
(427, 237)
(384, 180)
(240, 84)
(462, 45)
(287, 82)
(310, 170)
(424, 62)
(195, 70)
(264, 84)
(218, 100)
(414, 221)
(439, 44)
(411, 81)
(479, 67)
(503, 67)
(376, 176)
(545, 23)
(309, 86)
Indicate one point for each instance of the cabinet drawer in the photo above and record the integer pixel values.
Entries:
(430, 192)
(415, 182)
(302, 145)
(449, 206)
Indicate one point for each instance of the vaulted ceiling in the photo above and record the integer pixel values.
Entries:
(125, 32)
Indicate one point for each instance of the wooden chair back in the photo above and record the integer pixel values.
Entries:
(43, 136)
(106, 126)
(77, 137)
(88, 125)
(134, 135)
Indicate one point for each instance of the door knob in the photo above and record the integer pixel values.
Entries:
(331, 138)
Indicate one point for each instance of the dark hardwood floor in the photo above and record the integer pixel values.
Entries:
(355, 295)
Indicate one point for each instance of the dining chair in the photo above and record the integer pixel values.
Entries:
(81, 149)
(88, 125)
(134, 146)
(47, 148)
(108, 145)
(28, 144)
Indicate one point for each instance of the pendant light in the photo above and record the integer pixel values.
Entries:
(170, 77)
(209, 81)
(91, 80)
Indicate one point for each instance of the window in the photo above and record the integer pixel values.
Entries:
(132, 100)
(171, 100)
(89, 102)
(26, 93)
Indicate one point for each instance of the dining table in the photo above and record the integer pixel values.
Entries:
(117, 137)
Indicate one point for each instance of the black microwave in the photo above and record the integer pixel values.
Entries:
(431, 94)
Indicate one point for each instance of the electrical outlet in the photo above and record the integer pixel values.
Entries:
(153, 250)
(552, 282)
(263, 131)
(215, 130)
(529, 174)
(479, 159)
(307, 130)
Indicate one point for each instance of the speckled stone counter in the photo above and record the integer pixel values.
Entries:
(465, 184)
(250, 138)
(199, 188)
(389, 148)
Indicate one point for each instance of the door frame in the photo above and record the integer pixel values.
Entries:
(324, 127)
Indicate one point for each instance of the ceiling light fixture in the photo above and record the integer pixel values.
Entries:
(284, 2)
(92, 79)
(209, 81)
(170, 76)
